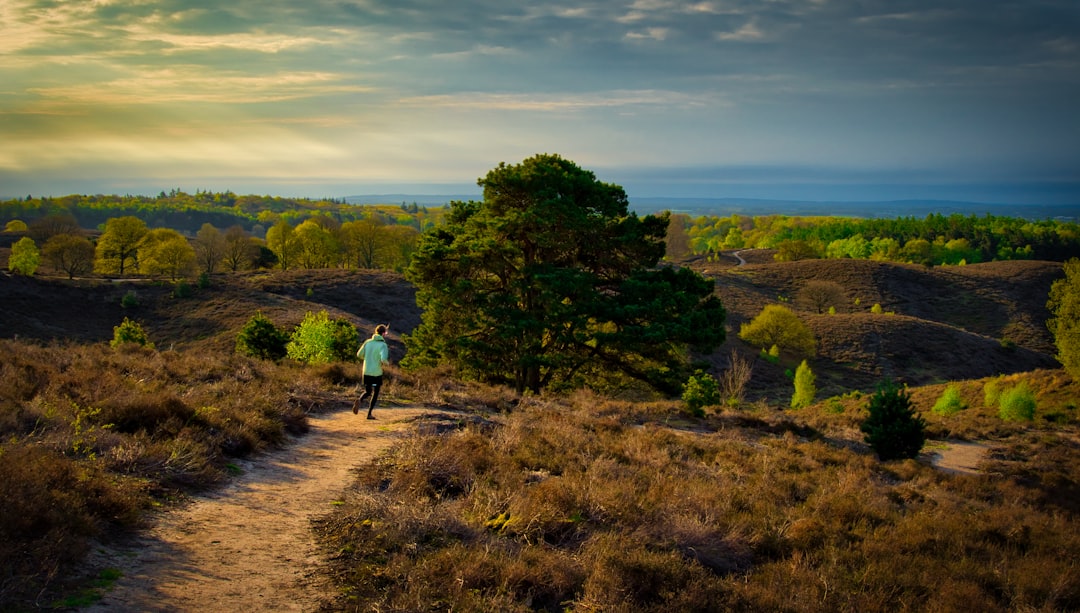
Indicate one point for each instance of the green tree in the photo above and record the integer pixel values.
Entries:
(780, 326)
(166, 252)
(316, 246)
(550, 280)
(321, 340)
(892, 428)
(260, 338)
(118, 246)
(25, 257)
(70, 253)
(805, 389)
(16, 225)
(1064, 305)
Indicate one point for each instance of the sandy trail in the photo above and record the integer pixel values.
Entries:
(249, 545)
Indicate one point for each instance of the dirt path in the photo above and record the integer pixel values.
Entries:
(958, 457)
(249, 546)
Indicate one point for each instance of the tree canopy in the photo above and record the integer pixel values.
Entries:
(550, 280)
(1064, 303)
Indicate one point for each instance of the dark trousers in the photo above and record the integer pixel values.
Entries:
(372, 383)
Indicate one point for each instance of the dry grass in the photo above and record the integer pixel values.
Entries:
(589, 504)
(91, 436)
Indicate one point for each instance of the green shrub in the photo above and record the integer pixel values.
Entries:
(182, 289)
(1017, 404)
(260, 338)
(130, 332)
(893, 429)
(204, 280)
(320, 340)
(805, 390)
(950, 402)
(701, 390)
(129, 300)
(991, 392)
(25, 257)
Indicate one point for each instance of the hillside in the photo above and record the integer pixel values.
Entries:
(949, 322)
(86, 311)
(956, 322)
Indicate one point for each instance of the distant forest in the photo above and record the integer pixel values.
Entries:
(186, 213)
(935, 239)
(931, 240)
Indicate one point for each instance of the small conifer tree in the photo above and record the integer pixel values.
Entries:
(701, 390)
(260, 338)
(893, 429)
(805, 390)
(130, 331)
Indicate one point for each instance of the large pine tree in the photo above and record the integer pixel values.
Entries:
(551, 279)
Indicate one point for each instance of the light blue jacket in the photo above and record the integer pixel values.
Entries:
(375, 353)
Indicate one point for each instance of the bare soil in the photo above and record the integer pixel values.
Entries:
(249, 545)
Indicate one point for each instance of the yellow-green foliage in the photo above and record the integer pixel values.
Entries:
(780, 326)
(950, 402)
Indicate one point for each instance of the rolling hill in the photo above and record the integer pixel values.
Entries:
(948, 323)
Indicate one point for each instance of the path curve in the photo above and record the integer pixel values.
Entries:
(249, 545)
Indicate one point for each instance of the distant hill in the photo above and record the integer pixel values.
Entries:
(748, 206)
(949, 323)
(879, 209)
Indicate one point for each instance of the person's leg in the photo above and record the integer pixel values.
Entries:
(376, 383)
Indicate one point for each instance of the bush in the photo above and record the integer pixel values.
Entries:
(25, 257)
(129, 300)
(701, 390)
(260, 338)
(950, 402)
(1017, 404)
(130, 332)
(182, 289)
(780, 326)
(805, 390)
(992, 392)
(320, 340)
(893, 429)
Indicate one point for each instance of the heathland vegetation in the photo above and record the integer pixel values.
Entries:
(579, 477)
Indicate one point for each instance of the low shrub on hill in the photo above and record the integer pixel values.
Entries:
(89, 436)
(593, 504)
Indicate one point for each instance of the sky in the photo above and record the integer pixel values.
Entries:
(813, 100)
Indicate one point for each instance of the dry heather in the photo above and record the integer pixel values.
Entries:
(91, 437)
(588, 504)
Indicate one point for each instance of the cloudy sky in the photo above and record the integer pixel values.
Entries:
(806, 99)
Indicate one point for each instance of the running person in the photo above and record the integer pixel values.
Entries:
(374, 353)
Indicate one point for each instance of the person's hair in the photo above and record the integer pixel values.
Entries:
(380, 329)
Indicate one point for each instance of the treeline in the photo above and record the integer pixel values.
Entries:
(127, 246)
(186, 213)
(935, 239)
